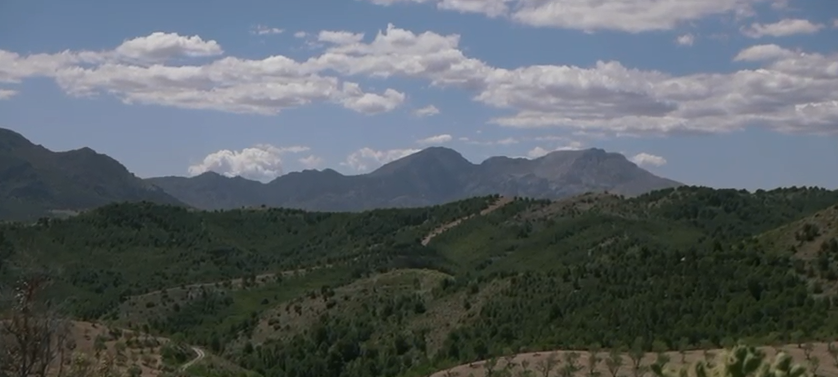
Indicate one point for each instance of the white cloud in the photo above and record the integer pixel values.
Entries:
(782, 28)
(685, 40)
(835, 23)
(763, 53)
(491, 8)
(540, 151)
(340, 37)
(537, 152)
(7, 93)
(160, 47)
(366, 159)
(264, 30)
(261, 162)
(426, 111)
(370, 103)
(645, 159)
(311, 161)
(265, 86)
(300, 34)
(505, 141)
(632, 16)
(437, 139)
(787, 91)
(550, 138)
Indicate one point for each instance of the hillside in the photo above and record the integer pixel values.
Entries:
(292, 293)
(432, 176)
(36, 182)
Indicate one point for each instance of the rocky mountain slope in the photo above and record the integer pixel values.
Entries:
(432, 176)
(35, 181)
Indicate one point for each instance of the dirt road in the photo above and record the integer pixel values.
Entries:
(200, 355)
(502, 201)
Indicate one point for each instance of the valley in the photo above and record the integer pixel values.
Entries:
(417, 291)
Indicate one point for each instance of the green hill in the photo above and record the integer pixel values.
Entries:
(293, 293)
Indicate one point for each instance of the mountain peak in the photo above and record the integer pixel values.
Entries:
(439, 157)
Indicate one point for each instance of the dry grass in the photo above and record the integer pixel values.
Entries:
(128, 347)
(477, 369)
(787, 239)
(444, 315)
(783, 239)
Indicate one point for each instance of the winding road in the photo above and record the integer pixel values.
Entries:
(200, 355)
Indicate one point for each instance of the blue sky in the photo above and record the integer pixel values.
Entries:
(724, 93)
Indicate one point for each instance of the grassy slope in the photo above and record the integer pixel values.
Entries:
(130, 348)
(484, 256)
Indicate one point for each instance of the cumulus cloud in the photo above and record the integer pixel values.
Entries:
(763, 53)
(685, 40)
(782, 28)
(340, 37)
(159, 47)
(300, 34)
(786, 91)
(632, 16)
(491, 8)
(7, 93)
(540, 151)
(311, 162)
(366, 159)
(264, 30)
(266, 86)
(645, 159)
(370, 103)
(426, 111)
(437, 139)
(261, 162)
(504, 141)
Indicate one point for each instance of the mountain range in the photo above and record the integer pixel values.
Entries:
(35, 181)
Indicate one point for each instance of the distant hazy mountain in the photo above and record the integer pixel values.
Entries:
(432, 176)
(35, 181)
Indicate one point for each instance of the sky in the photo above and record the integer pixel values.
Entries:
(721, 93)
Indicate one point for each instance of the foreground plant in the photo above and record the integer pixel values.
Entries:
(741, 361)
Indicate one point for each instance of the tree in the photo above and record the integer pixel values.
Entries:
(570, 366)
(490, 366)
(35, 336)
(636, 354)
(545, 366)
(808, 347)
(525, 369)
(833, 352)
(814, 364)
(614, 361)
(593, 360)
(683, 344)
(742, 361)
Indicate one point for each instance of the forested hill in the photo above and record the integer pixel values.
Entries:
(293, 293)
